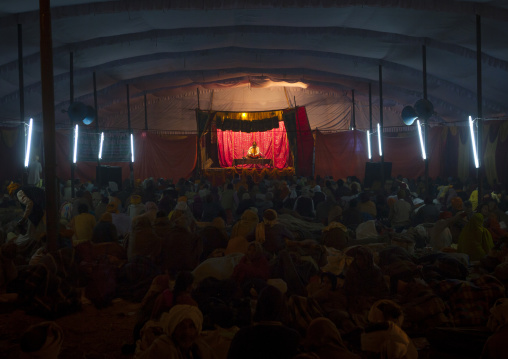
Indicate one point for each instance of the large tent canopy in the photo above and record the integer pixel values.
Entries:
(258, 55)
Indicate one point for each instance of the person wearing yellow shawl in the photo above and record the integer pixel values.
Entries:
(474, 239)
(41, 341)
(271, 234)
(181, 339)
(135, 208)
(495, 347)
(473, 198)
(12, 187)
(385, 336)
(246, 224)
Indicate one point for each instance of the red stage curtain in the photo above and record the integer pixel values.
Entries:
(273, 144)
(155, 156)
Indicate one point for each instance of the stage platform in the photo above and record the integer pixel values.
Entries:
(218, 176)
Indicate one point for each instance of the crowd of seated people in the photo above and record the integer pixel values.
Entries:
(290, 267)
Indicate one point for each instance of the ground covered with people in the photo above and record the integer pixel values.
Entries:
(272, 267)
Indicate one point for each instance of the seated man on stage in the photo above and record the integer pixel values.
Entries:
(254, 151)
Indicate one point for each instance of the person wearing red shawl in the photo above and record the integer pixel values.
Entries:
(253, 265)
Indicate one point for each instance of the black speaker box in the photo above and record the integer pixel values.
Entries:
(106, 174)
(373, 172)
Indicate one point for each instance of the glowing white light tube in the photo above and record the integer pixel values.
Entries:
(132, 148)
(424, 154)
(29, 142)
(476, 163)
(100, 147)
(368, 144)
(379, 139)
(74, 157)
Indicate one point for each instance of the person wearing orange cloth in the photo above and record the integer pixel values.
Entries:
(254, 151)
(475, 240)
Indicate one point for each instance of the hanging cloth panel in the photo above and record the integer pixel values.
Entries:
(265, 124)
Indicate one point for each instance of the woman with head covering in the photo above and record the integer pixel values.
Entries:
(271, 234)
(304, 205)
(253, 265)
(135, 208)
(474, 239)
(42, 340)
(181, 339)
(385, 336)
(364, 279)
(214, 237)
(495, 347)
(268, 337)
(143, 241)
(246, 224)
(105, 230)
(324, 339)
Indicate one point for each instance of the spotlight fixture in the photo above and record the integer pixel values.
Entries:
(79, 112)
(423, 109)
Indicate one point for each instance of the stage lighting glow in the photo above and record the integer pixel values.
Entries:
(29, 142)
(244, 115)
(476, 163)
(368, 144)
(379, 139)
(132, 148)
(100, 147)
(75, 156)
(424, 154)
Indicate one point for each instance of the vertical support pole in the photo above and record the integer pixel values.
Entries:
(131, 165)
(370, 112)
(48, 113)
(426, 127)
(381, 126)
(479, 122)
(146, 112)
(71, 138)
(98, 179)
(21, 97)
(95, 102)
(197, 91)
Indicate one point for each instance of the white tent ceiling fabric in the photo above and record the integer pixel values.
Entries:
(245, 52)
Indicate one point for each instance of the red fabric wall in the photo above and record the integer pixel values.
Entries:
(155, 156)
(305, 142)
(341, 154)
(345, 153)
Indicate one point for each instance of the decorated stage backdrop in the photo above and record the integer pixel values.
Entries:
(273, 144)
